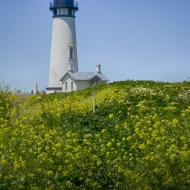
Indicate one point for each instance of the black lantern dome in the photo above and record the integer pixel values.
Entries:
(63, 7)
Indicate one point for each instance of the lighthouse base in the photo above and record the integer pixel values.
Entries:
(53, 89)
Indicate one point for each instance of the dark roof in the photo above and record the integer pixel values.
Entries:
(85, 76)
(63, 4)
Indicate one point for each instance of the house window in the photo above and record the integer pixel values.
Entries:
(71, 52)
(66, 86)
(71, 85)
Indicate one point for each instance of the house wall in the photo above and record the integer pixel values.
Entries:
(82, 84)
(77, 85)
(102, 82)
(68, 80)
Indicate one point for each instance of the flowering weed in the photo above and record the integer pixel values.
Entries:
(137, 139)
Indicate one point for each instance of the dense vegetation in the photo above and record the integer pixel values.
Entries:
(138, 138)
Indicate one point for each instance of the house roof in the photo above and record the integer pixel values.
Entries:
(85, 76)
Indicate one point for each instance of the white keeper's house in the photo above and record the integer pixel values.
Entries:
(63, 73)
(81, 80)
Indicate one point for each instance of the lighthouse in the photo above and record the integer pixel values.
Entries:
(63, 45)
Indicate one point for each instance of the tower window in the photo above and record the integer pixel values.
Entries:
(71, 85)
(71, 52)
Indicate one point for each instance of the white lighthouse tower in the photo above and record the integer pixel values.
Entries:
(63, 45)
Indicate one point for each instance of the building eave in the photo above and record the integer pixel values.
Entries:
(68, 73)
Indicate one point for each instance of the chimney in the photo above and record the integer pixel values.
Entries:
(98, 69)
(35, 88)
(70, 67)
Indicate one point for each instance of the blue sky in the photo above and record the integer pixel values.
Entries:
(131, 39)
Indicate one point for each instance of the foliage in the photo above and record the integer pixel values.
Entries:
(137, 139)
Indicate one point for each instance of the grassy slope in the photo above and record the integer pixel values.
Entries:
(138, 137)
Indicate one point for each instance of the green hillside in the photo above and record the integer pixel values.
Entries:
(138, 138)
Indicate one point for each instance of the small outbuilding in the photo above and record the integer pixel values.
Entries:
(73, 81)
